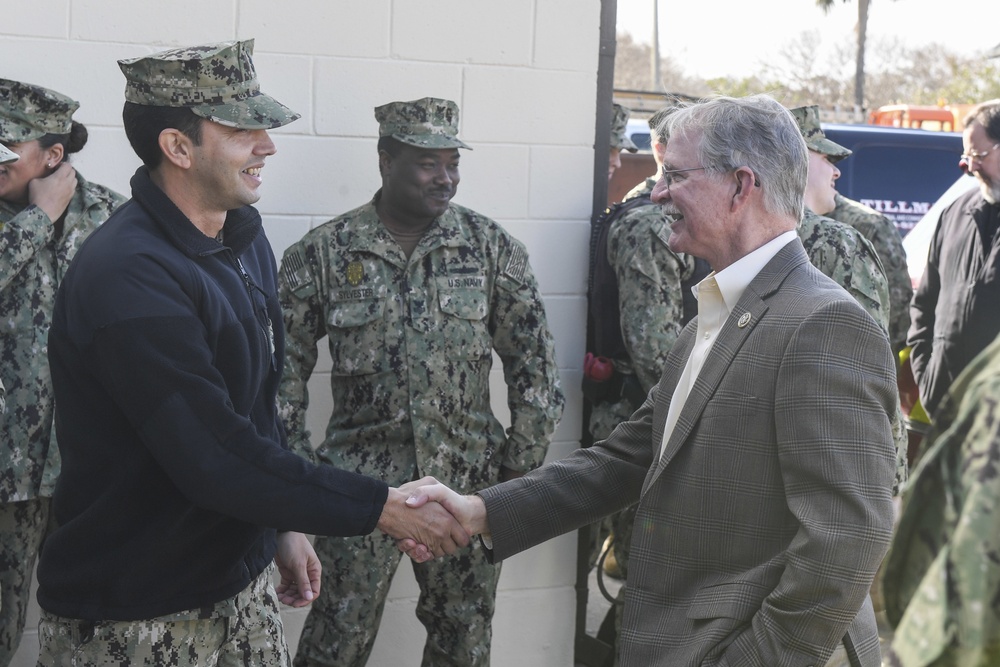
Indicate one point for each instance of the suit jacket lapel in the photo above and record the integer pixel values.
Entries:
(743, 319)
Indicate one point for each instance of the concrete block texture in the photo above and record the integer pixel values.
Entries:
(490, 33)
(562, 179)
(107, 159)
(289, 79)
(529, 106)
(39, 18)
(93, 80)
(347, 91)
(161, 25)
(495, 181)
(566, 316)
(554, 19)
(558, 252)
(318, 176)
(319, 27)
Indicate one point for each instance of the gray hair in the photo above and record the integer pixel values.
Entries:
(755, 132)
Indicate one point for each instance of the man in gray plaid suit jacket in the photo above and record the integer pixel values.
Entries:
(763, 460)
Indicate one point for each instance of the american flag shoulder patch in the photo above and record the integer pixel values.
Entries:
(293, 268)
(516, 264)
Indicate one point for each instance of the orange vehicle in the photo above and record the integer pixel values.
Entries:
(943, 119)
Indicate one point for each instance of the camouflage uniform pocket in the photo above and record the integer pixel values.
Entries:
(357, 336)
(464, 322)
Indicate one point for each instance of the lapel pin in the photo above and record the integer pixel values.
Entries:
(744, 320)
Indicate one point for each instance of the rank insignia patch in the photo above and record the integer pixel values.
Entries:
(355, 273)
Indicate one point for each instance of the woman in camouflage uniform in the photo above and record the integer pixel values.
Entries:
(6, 156)
(46, 211)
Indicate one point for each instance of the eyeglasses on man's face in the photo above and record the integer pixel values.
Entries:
(973, 155)
(669, 175)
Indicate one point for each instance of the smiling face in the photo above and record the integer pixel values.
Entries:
(821, 188)
(227, 165)
(418, 183)
(15, 176)
(697, 200)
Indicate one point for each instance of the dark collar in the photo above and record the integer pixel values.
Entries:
(240, 229)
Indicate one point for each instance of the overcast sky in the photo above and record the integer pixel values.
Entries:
(712, 38)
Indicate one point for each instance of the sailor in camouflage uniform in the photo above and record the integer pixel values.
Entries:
(178, 495)
(5, 157)
(942, 572)
(619, 140)
(651, 314)
(415, 294)
(885, 238)
(843, 253)
(877, 228)
(47, 209)
(651, 306)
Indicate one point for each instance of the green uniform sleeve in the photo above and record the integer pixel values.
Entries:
(884, 237)
(651, 303)
(522, 340)
(20, 238)
(302, 306)
(943, 573)
(841, 253)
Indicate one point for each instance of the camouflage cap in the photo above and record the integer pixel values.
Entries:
(216, 81)
(618, 123)
(7, 155)
(429, 122)
(28, 111)
(812, 132)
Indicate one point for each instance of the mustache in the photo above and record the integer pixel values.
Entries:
(670, 209)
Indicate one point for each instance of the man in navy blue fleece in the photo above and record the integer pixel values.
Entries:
(177, 491)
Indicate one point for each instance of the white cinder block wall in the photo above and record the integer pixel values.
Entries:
(524, 73)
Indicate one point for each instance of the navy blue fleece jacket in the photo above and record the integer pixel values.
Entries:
(166, 350)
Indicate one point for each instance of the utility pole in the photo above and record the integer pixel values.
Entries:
(655, 65)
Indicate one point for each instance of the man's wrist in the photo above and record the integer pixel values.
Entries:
(478, 522)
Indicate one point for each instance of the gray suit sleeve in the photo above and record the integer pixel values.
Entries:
(574, 491)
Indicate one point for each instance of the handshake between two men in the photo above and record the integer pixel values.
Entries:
(429, 520)
(425, 518)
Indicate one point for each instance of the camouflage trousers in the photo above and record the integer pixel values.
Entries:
(243, 630)
(456, 603)
(22, 529)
